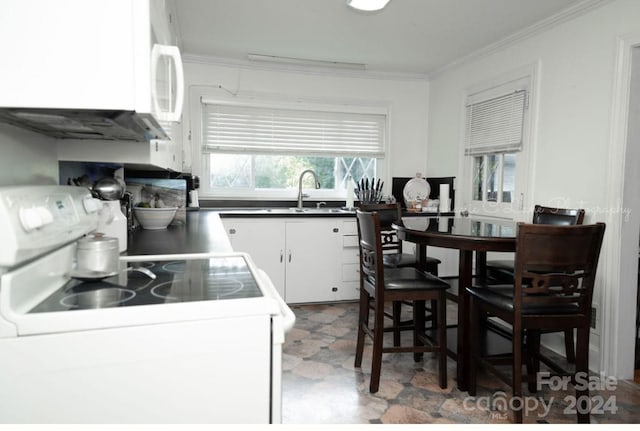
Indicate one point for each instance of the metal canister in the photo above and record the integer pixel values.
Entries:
(98, 254)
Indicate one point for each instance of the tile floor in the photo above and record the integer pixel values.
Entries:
(321, 385)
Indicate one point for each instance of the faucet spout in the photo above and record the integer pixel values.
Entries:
(317, 185)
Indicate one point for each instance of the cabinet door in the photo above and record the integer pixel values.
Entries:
(313, 261)
(265, 242)
(73, 54)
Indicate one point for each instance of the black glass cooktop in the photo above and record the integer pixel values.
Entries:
(211, 279)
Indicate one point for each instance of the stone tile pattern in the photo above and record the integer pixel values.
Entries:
(321, 385)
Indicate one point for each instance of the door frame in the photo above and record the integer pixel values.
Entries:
(617, 343)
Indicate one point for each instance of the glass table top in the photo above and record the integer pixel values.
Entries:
(462, 226)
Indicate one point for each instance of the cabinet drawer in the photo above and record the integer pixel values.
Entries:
(351, 272)
(350, 255)
(350, 241)
(350, 227)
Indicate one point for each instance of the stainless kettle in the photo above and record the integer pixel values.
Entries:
(108, 189)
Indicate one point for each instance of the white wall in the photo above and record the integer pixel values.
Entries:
(26, 158)
(571, 139)
(406, 100)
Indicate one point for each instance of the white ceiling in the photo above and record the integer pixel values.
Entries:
(409, 36)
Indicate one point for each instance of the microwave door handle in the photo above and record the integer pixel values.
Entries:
(174, 53)
(177, 60)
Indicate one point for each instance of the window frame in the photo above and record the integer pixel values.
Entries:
(524, 78)
(200, 159)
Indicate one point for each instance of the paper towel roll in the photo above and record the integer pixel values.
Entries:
(443, 224)
(444, 198)
(193, 196)
(350, 186)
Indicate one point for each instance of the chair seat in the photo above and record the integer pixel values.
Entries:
(405, 259)
(500, 271)
(506, 264)
(406, 279)
(502, 298)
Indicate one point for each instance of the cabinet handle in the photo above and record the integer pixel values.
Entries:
(289, 256)
(232, 231)
(281, 256)
(336, 230)
(334, 289)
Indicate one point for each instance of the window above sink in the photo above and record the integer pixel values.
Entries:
(258, 150)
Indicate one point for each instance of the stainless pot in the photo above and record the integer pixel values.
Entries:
(97, 254)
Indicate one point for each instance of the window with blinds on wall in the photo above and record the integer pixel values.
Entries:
(256, 149)
(494, 136)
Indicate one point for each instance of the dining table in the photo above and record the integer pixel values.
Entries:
(471, 236)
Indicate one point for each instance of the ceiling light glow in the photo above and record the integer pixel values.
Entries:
(368, 5)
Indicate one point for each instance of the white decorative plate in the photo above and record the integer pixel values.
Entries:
(415, 187)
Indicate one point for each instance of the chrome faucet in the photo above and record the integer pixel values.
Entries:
(315, 177)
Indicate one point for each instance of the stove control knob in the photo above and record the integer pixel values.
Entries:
(45, 215)
(35, 217)
(92, 205)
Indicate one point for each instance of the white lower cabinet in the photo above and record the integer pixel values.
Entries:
(303, 257)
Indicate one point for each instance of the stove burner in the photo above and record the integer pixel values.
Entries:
(163, 290)
(139, 281)
(224, 286)
(216, 288)
(177, 267)
(98, 298)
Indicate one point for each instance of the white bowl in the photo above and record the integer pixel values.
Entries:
(154, 218)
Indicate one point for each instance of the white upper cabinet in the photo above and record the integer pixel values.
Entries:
(90, 55)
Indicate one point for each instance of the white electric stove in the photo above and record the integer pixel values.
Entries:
(184, 338)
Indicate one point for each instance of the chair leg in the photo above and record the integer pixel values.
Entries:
(569, 346)
(378, 336)
(397, 317)
(516, 385)
(432, 268)
(533, 361)
(434, 315)
(418, 327)
(442, 339)
(474, 346)
(363, 317)
(582, 367)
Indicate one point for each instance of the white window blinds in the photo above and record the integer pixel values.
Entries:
(261, 130)
(496, 125)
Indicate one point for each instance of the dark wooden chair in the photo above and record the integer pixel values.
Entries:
(502, 271)
(394, 257)
(380, 285)
(555, 269)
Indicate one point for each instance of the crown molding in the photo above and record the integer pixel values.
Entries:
(303, 69)
(546, 24)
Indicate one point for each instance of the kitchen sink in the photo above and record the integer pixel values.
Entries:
(323, 210)
(293, 210)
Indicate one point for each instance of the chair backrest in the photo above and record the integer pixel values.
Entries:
(555, 266)
(557, 216)
(387, 214)
(371, 263)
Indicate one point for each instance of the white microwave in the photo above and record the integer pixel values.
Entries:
(89, 69)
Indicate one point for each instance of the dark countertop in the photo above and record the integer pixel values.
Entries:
(282, 212)
(202, 233)
(306, 212)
